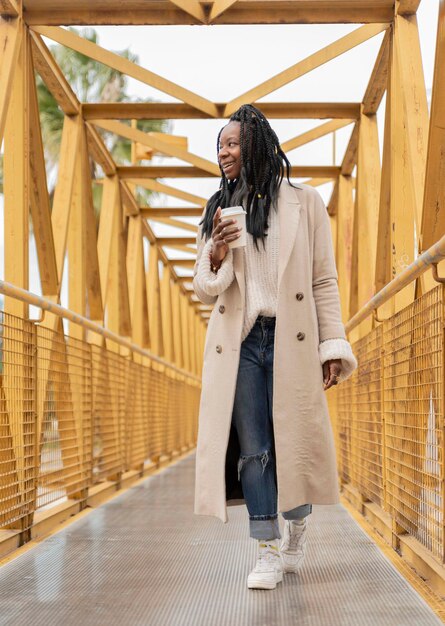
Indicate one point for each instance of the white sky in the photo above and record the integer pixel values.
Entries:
(221, 62)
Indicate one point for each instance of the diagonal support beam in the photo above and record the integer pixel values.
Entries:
(113, 60)
(158, 144)
(53, 77)
(154, 185)
(333, 50)
(314, 133)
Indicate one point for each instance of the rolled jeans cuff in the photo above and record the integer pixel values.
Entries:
(266, 529)
(299, 512)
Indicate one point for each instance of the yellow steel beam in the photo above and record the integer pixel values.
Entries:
(132, 172)
(165, 147)
(219, 6)
(350, 157)
(53, 77)
(153, 287)
(174, 110)
(10, 42)
(9, 8)
(99, 151)
(63, 192)
(192, 7)
(163, 213)
(137, 288)
(154, 185)
(176, 223)
(407, 7)
(16, 179)
(379, 77)
(128, 199)
(39, 199)
(167, 241)
(311, 62)
(433, 218)
(164, 171)
(314, 133)
(59, 12)
(110, 204)
(113, 60)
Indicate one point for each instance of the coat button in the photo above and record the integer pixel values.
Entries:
(219, 349)
(222, 308)
(299, 295)
(300, 336)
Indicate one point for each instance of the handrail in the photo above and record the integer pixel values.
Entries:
(424, 261)
(8, 289)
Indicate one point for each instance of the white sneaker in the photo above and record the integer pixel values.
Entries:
(293, 545)
(268, 570)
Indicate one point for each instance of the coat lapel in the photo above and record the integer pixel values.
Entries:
(289, 208)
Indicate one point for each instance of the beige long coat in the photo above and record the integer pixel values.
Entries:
(304, 444)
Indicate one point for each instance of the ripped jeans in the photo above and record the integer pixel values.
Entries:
(252, 418)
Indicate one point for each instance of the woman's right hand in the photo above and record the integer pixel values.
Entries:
(224, 231)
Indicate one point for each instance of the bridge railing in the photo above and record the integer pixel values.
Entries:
(77, 414)
(388, 419)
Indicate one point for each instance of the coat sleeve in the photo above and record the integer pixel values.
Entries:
(333, 343)
(206, 284)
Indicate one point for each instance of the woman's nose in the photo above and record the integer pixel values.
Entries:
(222, 152)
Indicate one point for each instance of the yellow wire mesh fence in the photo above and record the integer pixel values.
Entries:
(74, 414)
(388, 419)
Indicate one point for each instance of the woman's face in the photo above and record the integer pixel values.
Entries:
(229, 154)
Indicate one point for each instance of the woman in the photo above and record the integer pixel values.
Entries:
(275, 342)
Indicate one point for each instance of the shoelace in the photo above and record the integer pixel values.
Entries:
(268, 555)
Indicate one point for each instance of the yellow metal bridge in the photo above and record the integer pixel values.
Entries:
(101, 392)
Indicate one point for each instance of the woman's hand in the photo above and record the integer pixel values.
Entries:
(223, 232)
(331, 372)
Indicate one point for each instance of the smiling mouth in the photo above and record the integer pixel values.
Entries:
(227, 165)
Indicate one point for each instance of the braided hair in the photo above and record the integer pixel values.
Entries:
(263, 164)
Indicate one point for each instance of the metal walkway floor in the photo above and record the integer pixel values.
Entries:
(144, 559)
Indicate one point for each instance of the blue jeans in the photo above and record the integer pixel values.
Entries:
(253, 421)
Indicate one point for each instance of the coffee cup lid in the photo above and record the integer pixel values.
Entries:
(232, 210)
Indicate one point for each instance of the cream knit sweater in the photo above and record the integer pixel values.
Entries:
(261, 273)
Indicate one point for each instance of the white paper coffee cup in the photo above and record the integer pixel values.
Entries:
(239, 214)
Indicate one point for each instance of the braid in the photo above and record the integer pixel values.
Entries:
(263, 166)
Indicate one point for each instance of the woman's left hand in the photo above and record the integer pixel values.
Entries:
(331, 372)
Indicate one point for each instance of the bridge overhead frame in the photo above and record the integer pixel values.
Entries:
(384, 212)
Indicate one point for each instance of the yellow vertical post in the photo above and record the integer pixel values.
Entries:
(176, 311)
(345, 218)
(77, 244)
(185, 332)
(154, 302)
(16, 181)
(365, 216)
(167, 315)
(409, 130)
(136, 282)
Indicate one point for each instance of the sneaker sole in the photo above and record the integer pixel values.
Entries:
(264, 584)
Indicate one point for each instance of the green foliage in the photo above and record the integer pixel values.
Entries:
(91, 81)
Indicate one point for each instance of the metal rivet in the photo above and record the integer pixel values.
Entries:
(219, 349)
(299, 295)
(300, 336)
(222, 308)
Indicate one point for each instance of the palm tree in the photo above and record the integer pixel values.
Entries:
(91, 81)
